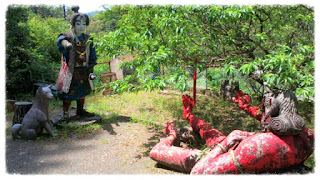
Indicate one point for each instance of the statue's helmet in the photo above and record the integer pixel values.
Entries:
(76, 14)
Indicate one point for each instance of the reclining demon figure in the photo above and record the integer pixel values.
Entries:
(240, 151)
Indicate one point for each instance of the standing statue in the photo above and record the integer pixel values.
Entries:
(239, 152)
(37, 118)
(224, 88)
(78, 60)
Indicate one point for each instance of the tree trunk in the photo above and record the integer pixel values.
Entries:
(20, 110)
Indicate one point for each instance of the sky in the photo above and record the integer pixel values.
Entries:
(86, 7)
(93, 5)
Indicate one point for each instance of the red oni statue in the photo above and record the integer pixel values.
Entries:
(239, 152)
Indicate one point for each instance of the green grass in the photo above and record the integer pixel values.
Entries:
(145, 107)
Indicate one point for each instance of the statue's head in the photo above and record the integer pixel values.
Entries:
(79, 21)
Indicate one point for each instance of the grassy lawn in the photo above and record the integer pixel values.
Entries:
(149, 108)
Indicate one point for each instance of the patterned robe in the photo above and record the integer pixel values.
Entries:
(80, 60)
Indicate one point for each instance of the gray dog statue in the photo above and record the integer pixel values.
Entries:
(37, 118)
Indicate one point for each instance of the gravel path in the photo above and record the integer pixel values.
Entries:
(120, 148)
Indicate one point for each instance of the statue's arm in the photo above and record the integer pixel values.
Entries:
(64, 44)
(243, 102)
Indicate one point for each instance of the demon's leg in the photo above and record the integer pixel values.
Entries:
(171, 156)
(223, 164)
(209, 135)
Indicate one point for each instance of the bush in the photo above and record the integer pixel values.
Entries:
(45, 55)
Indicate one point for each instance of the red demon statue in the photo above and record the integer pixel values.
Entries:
(240, 151)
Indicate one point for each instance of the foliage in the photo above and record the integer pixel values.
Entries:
(287, 40)
(107, 20)
(275, 39)
(31, 51)
(288, 70)
(48, 11)
(46, 57)
(18, 44)
(176, 36)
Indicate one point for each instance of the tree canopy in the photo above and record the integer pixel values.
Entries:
(279, 40)
(271, 44)
(31, 33)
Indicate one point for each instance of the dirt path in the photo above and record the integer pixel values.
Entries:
(119, 148)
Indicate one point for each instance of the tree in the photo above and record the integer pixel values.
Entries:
(107, 20)
(18, 44)
(31, 48)
(48, 11)
(246, 38)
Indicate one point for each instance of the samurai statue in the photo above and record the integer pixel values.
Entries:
(79, 58)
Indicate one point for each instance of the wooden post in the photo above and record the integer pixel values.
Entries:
(206, 77)
(20, 110)
(194, 83)
(64, 12)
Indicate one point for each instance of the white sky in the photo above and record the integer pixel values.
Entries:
(86, 7)
(93, 5)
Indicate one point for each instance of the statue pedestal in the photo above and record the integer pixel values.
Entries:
(74, 119)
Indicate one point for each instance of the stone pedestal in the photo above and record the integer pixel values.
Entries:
(57, 119)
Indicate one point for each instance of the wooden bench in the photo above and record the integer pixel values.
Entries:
(42, 82)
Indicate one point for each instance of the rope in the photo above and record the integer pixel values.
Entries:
(222, 147)
(235, 161)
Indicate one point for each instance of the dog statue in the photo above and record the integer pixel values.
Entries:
(37, 118)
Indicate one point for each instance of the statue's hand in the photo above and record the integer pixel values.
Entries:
(66, 44)
(187, 105)
(237, 136)
(236, 98)
(265, 126)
